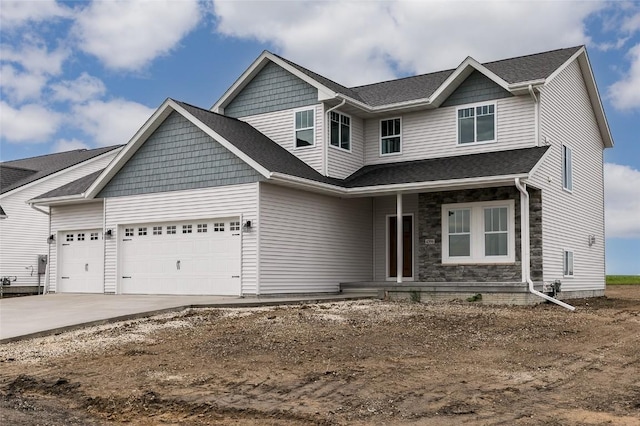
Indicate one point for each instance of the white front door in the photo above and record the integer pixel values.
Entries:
(81, 262)
(182, 257)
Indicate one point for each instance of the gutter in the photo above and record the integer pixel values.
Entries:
(39, 209)
(525, 246)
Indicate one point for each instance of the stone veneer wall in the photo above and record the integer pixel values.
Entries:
(430, 267)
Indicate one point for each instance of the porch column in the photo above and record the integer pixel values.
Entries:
(399, 238)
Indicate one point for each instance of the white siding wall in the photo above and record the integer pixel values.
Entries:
(343, 163)
(432, 134)
(569, 218)
(223, 201)
(71, 218)
(310, 243)
(23, 235)
(279, 126)
(383, 207)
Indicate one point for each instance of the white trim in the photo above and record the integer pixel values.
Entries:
(387, 248)
(295, 129)
(475, 123)
(477, 233)
(339, 147)
(388, 154)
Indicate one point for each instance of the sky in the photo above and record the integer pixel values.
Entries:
(85, 74)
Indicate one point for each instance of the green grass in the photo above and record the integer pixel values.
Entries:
(623, 279)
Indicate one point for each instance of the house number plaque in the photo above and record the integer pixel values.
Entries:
(429, 241)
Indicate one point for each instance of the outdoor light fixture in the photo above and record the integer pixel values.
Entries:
(51, 239)
(247, 225)
(592, 240)
(108, 234)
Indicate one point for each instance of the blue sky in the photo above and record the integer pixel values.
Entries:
(88, 74)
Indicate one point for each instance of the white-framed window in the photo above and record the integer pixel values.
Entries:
(218, 227)
(567, 168)
(80, 237)
(94, 236)
(128, 232)
(391, 136)
(304, 127)
(234, 226)
(567, 263)
(157, 230)
(202, 228)
(482, 232)
(340, 130)
(142, 231)
(171, 229)
(69, 237)
(476, 124)
(187, 229)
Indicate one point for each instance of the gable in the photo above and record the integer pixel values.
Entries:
(272, 89)
(178, 156)
(476, 88)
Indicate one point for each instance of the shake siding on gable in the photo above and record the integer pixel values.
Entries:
(31, 227)
(343, 163)
(279, 127)
(218, 202)
(432, 133)
(310, 243)
(71, 218)
(566, 117)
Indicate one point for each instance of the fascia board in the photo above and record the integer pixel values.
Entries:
(241, 82)
(221, 140)
(130, 148)
(59, 172)
(562, 67)
(68, 199)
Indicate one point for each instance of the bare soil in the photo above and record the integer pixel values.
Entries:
(347, 363)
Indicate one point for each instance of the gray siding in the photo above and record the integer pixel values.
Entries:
(476, 88)
(272, 89)
(178, 156)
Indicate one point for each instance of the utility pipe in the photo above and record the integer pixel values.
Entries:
(327, 121)
(525, 246)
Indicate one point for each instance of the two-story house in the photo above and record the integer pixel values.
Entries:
(487, 178)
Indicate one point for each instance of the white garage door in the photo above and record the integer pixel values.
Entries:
(81, 262)
(195, 257)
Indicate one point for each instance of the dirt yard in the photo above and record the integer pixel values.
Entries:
(347, 363)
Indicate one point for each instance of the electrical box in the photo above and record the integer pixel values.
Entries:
(42, 264)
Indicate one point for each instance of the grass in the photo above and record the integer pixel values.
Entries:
(623, 279)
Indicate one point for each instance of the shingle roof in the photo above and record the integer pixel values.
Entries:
(16, 173)
(2, 213)
(486, 164)
(75, 187)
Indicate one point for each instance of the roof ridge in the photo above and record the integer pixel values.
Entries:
(533, 54)
(402, 78)
(62, 152)
(208, 111)
(309, 70)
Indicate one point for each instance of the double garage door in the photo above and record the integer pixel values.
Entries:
(182, 257)
(195, 257)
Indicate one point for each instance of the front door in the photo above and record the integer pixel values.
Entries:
(407, 246)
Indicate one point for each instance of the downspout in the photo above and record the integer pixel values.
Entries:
(327, 125)
(525, 246)
(536, 109)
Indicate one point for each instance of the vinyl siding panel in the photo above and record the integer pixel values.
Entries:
(310, 243)
(383, 207)
(433, 133)
(476, 88)
(344, 163)
(71, 218)
(279, 126)
(23, 235)
(566, 117)
(223, 201)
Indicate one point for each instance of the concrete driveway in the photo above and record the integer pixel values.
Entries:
(33, 316)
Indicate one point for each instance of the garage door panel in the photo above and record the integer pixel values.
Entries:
(81, 262)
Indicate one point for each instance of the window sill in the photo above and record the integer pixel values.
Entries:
(339, 148)
(391, 154)
(448, 262)
(477, 143)
(295, 148)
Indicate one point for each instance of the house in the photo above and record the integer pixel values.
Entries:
(23, 230)
(293, 183)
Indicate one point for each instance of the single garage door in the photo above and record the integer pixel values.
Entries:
(195, 257)
(81, 262)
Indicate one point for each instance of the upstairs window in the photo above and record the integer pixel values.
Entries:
(304, 128)
(477, 124)
(567, 168)
(390, 136)
(340, 131)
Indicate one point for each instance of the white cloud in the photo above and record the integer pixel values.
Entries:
(129, 34)
(111, 122)
(30, 123)
(622, 201)
(20, 86)
(360, 42)
(82, 89)
(16, 13)
(625, 93)
(63, 145)
(35, 57)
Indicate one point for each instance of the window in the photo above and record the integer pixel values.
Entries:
(567, 168)
(202, 228)
(218, 227)
(128, 232)
(142, 231)
(187, 229)
(477, 124)
(478, 232)
(567, 264)
(234, 226)
(304, 128)
(94, 236)
(340, 131)
(80, 237)
(157, 230)
(69, 237)
(390, 136)
(171, 229)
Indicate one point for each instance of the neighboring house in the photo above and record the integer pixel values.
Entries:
(293, 183)
(23, 230)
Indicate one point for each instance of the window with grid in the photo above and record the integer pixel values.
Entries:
(202, 228)
(187, 229)
(218, 227)
(80, 237)
(495, 231)
(128, 232)
(390, 136)
(69, 237)
(234, 226)
(142, 231)
(94, 236)
(171, 229)
(157, 230)
(340, 129)
(567, 263)
(459, 232)
(304, 128)
(477, 124)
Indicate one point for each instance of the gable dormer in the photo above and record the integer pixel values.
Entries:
(477, 87)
